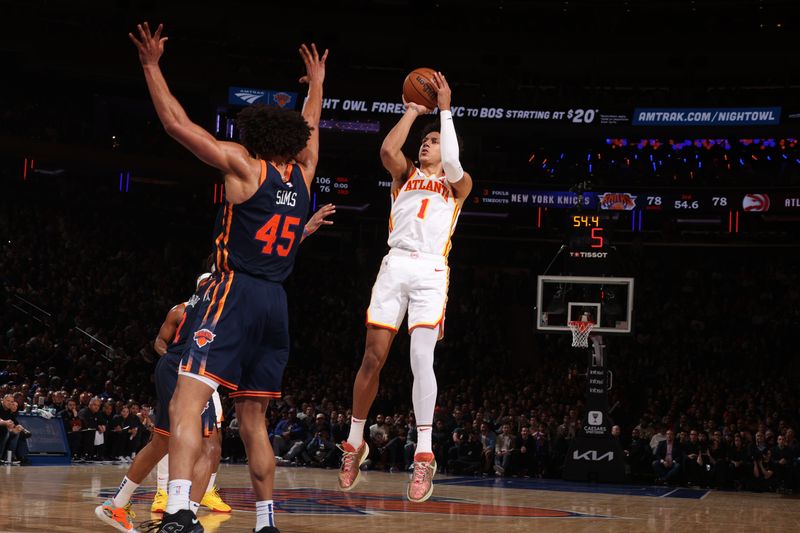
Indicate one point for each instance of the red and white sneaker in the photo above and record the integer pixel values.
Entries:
(420, 487)
(352, 459)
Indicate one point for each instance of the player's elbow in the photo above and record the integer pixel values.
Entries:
(452, 169)
(391, 157)
(160, 346)
(172, 128)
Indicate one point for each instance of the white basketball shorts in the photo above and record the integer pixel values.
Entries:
(411, 281)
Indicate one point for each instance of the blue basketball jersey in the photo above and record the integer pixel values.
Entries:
(180, 342)
(260, 236)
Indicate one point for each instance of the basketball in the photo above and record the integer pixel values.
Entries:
(419, 87)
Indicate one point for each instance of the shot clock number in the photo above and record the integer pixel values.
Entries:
(596, 232)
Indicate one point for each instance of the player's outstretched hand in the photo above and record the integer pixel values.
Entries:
(319, 218)
(150, 46)
(315, 65)
(419, 109)
(443, 92)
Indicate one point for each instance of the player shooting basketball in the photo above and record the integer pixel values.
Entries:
(426, 201)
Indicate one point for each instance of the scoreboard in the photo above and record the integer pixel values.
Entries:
(333, 188)
(786, 199)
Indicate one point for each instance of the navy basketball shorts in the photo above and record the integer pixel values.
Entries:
(166, 379)
(240, 338)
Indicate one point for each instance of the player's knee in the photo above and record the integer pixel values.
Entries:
(160, 444)
(212, 447)
(373, 360)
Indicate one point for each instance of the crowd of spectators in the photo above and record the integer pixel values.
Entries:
(705, 391)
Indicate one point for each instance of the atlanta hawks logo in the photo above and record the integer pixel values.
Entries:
(203, 337)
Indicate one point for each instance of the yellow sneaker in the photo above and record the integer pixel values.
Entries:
(212, 522)
(159, 502)
(213, 501)
(117, 517)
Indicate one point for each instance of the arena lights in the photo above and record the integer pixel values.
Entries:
(708, 144)
(124, 178)
(27, 165)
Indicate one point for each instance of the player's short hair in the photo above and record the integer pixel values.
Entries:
(270, 132)
(435, 125)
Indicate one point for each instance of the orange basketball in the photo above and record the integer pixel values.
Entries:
(419, 87)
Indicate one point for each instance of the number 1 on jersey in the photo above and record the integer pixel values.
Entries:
(423, 208)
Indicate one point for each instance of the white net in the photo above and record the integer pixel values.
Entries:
(580, 332)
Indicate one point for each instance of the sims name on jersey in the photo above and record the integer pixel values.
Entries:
(286, 198)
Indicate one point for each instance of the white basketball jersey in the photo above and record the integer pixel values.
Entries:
(424, 215)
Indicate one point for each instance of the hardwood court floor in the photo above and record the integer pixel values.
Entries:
(61, 499)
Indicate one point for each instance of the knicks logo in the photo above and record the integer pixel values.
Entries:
(282, 99)
(203, 337)
(617, 201)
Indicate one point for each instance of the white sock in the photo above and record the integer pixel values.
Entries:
(194, 507)
(178, 495)
(124, 492)
(356, 436)
(211, 481)
(264, 514)
(162, 473)
(423, 393)
(424, 440)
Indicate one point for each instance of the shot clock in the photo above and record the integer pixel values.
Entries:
(587, 235)
(588, 239)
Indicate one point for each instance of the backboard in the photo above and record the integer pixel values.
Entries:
(608, 301)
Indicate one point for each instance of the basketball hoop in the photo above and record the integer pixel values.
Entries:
(580, 332)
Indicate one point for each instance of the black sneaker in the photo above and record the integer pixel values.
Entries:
(184, 521)
(267, 529)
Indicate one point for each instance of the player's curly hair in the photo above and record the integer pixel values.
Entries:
(435, 125)
(270, 132)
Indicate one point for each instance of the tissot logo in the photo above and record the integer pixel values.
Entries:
(250, 98)
(592, 455)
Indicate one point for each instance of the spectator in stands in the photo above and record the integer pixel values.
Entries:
(504, 451)
(488, 441)
(467, 458)
(783, 458)
(758, 447)
(441, 442)
(659, 436)
(764, 472)
(92, 422)
(135, 424)
(288, 438)
(695, 471)
(668, 459)
(739, 465)
(13, 436)
(526, 459)
(340, 428)
(73, 426)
